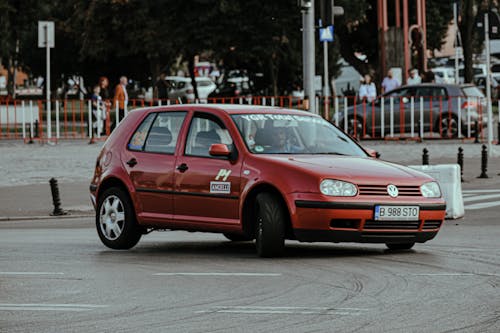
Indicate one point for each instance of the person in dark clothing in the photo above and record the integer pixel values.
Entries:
(161, 88)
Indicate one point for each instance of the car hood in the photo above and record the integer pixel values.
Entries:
(354, 169)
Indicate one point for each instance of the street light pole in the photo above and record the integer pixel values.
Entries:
(488, 83)
(308, 52)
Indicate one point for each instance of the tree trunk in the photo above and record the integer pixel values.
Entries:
(274, 67)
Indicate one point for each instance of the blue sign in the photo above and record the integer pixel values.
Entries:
(326, 34)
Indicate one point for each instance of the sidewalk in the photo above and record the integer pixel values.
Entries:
(26, 170)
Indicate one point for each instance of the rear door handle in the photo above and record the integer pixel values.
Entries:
(132, 162)
(183, 167)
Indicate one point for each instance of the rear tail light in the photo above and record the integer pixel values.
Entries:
(237, 92)
(190, 91)
(471, 105)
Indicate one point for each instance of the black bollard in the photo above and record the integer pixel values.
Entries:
(30, 134)
(476, 133)
(484, 162)
(36, 129)
(425, 157)
(460, 162)
(54, 188)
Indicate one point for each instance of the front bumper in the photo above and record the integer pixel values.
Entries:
(353, 221)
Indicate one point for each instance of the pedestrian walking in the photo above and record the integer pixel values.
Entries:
(390, 82)
(367, 90)
(121, 98)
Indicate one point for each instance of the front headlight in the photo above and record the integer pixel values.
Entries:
(430, 190)
(337, 188)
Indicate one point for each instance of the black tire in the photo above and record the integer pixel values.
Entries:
(449, 127)
(115, 220)
(237, 237)
(355, 123)
(400, 246)
(270, 225)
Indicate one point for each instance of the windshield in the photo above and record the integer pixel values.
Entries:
(472, 91)
(293, 134)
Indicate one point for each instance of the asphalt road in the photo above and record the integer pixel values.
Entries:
(55, 276)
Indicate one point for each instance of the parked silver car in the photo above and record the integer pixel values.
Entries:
(435, 108)
(181, 88)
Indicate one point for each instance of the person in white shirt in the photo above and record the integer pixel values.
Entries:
(414, 77)
(367, 90)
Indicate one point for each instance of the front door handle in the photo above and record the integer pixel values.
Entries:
(132, 162)
(183, 167)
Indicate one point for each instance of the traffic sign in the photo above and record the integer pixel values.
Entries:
(326, 34)
(45, 34)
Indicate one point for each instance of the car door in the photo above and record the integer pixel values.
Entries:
(150, 160)
(401, 104)
(207, 187)
(435, 100)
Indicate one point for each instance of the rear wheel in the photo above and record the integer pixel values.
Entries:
(400, 246)
(115, 220)
(270, 225)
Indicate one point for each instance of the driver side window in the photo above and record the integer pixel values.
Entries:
(203, 133)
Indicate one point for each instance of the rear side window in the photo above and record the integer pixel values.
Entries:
(431, 92)
(139, 138)
(158, 133)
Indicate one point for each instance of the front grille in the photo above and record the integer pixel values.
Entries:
(404, 191)
(391, 225)
(432, 224)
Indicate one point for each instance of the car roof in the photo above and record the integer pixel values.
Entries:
(229, 109)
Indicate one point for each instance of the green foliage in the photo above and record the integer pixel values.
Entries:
(142, 37)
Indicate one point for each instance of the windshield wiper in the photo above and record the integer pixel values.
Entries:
(332, 153)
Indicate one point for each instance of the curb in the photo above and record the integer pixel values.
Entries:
(44, 217)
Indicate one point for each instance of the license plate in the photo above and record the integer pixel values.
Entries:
(396, 213)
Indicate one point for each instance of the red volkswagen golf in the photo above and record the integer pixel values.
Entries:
(260, 173)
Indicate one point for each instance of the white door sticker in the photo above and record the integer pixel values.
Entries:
(220, 187)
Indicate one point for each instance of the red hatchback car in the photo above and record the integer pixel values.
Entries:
(260, 173)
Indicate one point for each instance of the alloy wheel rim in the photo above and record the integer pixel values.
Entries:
(112, 217)
(450, 127)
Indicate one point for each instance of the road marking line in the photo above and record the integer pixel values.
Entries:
(481, 191)
(31, 273)
(440, 274)
(216, 274)
(482, 205)
(285, 310)
(482, 197)
(49, 307)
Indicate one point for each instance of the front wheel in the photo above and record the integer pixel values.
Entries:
(449, 126)
(115, 220)
(400, 246)
(270, 226)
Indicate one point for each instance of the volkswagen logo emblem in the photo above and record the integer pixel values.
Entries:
(392, 190)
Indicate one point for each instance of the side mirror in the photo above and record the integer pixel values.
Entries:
(219, 149)
(373, 153)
